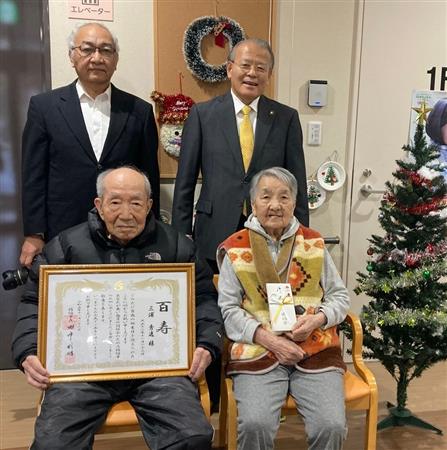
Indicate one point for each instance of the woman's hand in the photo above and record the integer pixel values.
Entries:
(286, 351)
(305, 325)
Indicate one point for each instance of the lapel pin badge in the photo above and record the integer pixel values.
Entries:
(271, 112)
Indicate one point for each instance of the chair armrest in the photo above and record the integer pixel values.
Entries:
(204, 396)
(357, 347)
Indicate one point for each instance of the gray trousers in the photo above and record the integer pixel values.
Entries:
(320, 399)
(168, 410)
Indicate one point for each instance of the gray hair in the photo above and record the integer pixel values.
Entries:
(71, 37)
(102, 175)
(260, 43)
(280, 174)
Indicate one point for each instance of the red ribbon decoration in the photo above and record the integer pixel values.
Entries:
(220, 38)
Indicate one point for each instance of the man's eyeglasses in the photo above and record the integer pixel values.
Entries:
(258, 68)
(106, 51)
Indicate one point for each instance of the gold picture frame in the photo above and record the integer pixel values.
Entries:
(116, 321)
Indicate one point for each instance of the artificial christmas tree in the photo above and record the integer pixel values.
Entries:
(405, 325)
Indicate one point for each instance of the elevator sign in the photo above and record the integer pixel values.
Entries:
(90, 9)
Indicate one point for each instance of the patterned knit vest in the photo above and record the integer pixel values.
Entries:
(303, 271)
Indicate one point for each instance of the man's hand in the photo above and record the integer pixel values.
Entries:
(32, 246)
(200, 361)
(286, 351)
(305, 325)
(36, 374)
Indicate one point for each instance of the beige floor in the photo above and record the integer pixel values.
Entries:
(427, 399)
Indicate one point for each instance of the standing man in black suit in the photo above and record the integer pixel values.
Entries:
(75, 132)
(211, 143)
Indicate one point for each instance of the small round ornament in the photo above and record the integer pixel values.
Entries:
(315, 194)
(331, 175)
(370, 267)
(426, 274)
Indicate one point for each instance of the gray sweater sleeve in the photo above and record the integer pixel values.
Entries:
(336, 301)
(240, 325)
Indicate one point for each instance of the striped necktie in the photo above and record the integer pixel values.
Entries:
(246, 137)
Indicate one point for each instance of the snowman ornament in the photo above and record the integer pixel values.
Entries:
(174, 109)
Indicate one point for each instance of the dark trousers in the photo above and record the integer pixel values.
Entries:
(168, 410)
(213, 372)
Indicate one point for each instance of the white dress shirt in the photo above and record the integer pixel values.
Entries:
(238, 105)
(96, 113)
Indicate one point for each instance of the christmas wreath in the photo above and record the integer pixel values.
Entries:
(222, 27)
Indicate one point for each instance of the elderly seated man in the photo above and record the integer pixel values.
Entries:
(121, 229)
(304, 359)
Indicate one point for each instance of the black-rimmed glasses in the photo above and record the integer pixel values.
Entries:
(106, 51)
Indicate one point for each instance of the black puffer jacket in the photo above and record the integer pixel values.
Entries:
(88, 243)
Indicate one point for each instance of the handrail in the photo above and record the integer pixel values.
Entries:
(332, 240)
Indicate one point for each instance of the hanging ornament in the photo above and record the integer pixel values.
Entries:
(315, 194)
(174, 109)
(370, 251)
(411, 260)
(370, 267)
(331, 175)
(222, 27)
(426, 274)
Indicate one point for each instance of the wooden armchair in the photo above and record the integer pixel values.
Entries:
(360, 394)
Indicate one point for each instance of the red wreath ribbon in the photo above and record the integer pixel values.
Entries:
(219, 38)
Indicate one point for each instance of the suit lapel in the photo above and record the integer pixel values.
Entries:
(70, 109)
(228, 124)
(265, 118)
(119, 112)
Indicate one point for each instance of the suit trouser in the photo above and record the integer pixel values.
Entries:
(168, 410)
(212, 372)
(320, 399)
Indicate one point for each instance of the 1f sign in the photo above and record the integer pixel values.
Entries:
(432, 73)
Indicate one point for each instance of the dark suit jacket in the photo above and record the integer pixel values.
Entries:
(210, 144)
(59, 167)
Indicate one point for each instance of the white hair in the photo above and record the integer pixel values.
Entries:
(71, 37)
(102, 175)
(280, 174)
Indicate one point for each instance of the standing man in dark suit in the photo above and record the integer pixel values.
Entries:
(75, 132)
(213, 143)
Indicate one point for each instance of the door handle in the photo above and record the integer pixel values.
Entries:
(367, 189)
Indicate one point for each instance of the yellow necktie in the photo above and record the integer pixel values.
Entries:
(246, 137)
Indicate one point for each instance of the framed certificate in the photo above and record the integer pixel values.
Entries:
(117, 321)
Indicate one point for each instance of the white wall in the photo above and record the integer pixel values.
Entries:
(315, 41)
(133, 25)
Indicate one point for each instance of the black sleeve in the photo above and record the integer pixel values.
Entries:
(24, 339)
(209, 322)
(149, 157)
(35, 155)
(187, 173)
(296, 164)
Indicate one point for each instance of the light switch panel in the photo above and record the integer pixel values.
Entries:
(314, 133)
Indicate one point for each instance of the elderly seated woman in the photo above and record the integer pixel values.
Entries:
(304, 359)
